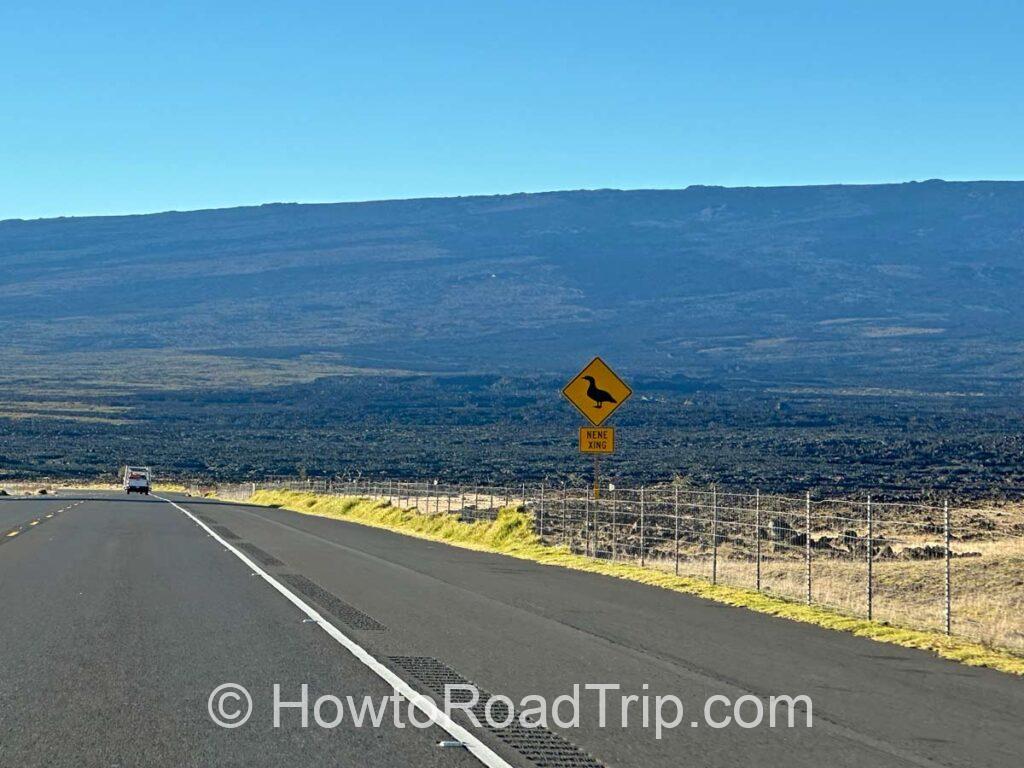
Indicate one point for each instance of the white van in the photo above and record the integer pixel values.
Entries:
(136, 479)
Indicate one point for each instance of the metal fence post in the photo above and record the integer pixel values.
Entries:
(949, 595)
(757, 533)
(565, 527)
(871, 562)
(807, 542)
(642, 526)
(586, 526)
(542, 512)
(714, 535)
(594, 523)
(615, 526)
(675, 513)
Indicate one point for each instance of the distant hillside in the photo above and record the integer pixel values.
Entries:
(915, 284)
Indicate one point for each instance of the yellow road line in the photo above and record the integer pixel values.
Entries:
(13, 533)
(34, 522)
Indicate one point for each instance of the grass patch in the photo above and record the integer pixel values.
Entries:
(512, 534)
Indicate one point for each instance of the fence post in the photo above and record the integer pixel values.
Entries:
(757, 533)
(565, 527)
(714, 535)
(949, 595)
(542, 513)
(871, 562)
(675, 514)
(615, 526)
(642, 531)
(807, 542)
(594, 523)
(586, 526)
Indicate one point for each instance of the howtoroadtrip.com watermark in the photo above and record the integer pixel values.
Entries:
(231, 706)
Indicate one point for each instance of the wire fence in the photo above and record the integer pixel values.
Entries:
(958, 570)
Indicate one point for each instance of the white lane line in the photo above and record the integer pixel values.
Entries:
(477, 748)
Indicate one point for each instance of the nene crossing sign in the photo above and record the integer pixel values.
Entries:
(597, 392)
(597, 440)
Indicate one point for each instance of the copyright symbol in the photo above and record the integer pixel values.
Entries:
(229, 705)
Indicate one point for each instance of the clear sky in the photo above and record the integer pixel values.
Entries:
(144, 106)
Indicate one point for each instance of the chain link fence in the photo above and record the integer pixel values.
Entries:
(958, 570)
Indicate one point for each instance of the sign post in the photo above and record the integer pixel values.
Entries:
(597, 392)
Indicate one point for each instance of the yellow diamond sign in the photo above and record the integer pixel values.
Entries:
(597, 391)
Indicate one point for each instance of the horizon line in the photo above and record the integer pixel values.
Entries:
(481, 196)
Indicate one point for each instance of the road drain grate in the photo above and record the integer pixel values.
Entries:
(265, 558)
(348, 614)
(224, 532)
(543, 748)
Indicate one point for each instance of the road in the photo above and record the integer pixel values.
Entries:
(121, 616)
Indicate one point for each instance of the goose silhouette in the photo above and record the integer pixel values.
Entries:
(598, 395)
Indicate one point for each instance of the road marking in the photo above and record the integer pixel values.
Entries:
(13, 533)
(34, 522)
(477, 748)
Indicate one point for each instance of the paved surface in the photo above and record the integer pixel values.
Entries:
(120, 617)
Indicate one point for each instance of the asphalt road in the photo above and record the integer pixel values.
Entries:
(119, 617)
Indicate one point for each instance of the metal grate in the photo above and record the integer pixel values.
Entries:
(348, 614)
(265, 558)
(224, 532)
(543, 748)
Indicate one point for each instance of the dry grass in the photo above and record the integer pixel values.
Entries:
(511, 533)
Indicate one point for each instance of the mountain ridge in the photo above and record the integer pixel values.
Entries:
(495, 195)
(827, 283)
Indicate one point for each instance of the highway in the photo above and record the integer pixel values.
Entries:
(121, 615)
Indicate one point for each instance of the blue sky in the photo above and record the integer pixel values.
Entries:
(146, 106)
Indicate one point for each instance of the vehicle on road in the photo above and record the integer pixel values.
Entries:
(136, 479)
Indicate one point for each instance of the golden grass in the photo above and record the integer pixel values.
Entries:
(512, 534)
